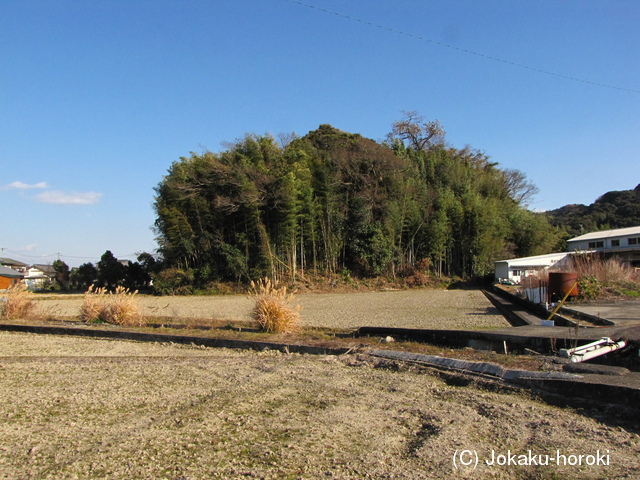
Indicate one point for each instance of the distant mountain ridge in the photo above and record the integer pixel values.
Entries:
(615, 209)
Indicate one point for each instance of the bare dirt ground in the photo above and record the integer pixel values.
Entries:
(77, 408)
(434, 309)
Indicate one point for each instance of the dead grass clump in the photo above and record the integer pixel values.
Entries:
(603, 278)
(416, 275)
(118, 308)
(273, 312)
(122, 308)
(18, 303)
(92, 304)
(606, 271)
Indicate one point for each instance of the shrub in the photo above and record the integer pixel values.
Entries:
(18, 303)
(605, 278)
(273, 312)
(416, 275)
(173, 281)
(418, 279)
(628, 289)
(345, 274)
(118, 308)
(589, 287)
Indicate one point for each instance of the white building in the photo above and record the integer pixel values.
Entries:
(517, 269)
(39, 276)
(621, 242)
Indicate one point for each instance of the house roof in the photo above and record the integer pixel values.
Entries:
(618, 232)
(48, 269)
(9, 262)
(535, 261)
(10, 273)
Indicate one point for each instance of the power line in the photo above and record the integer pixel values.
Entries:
(463, 50)
(28, 256)
(60, 255)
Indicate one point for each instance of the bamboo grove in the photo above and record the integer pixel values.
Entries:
(334, 202)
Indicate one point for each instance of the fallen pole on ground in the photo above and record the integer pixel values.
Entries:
(592, 350)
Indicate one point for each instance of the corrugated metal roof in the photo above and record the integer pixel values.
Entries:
(538, 260)
(618, 232)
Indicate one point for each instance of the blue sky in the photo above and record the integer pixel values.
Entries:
(100, 97)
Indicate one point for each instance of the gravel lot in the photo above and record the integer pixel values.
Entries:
(436, 309)
(77, 408)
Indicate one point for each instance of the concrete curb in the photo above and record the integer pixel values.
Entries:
(561, 384)
(586, 316)
(537, 310)
(558, 385)
(483, 368)
(181, 339)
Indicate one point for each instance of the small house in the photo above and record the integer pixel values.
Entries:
(9, 277)
(39, 276)
(13, 264)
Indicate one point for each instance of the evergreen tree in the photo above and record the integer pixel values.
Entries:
(111, 272)
(84, 276)
(62, 274)
(333, 200)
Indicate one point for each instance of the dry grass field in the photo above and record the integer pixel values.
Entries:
(437, 309)
(77, 408)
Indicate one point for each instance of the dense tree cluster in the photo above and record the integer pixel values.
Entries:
(333, 201)
(616, 209)
(110, 273)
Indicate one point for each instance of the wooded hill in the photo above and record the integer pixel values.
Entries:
(615, 209)
(334, 201)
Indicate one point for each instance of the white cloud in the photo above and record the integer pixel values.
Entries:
(72, 198)
(57, 197)
(25, 186)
